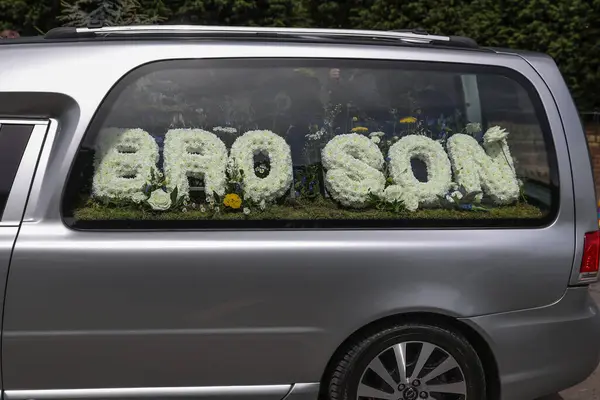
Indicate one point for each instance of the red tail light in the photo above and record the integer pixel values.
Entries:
(591, 256)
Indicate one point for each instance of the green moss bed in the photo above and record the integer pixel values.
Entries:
(321, 209)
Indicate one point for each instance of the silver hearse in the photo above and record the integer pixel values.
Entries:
(300, 214)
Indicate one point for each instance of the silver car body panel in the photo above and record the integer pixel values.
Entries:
(170, 309)
(15, 203)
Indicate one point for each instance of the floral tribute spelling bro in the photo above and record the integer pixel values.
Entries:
(360, 170)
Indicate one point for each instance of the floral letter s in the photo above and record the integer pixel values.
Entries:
(353, 164)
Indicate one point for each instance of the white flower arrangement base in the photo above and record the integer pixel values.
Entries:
(490, 170)
(194, 153)
(124, 160)
(353, 164)
(408, 188)
(280, 177)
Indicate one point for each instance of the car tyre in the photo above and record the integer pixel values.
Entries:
(362, 368)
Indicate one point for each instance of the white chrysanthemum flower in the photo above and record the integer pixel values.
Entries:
(246, 211)
(439, 171)
(316, 136)
(473, 127)
(160, 200)
(202, 209)
(280, 176)
(224, 129)
(353, 163)
(194, 153)
(138, 197)
(495, 134)
(124, 160)
(375, 139)
(454, 196)
(262, 205)
(376, 134)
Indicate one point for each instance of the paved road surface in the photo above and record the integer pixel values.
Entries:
(590, 389)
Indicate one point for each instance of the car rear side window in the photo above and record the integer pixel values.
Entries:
(13, 141)
(298, 143)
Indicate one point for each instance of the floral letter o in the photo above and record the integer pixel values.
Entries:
(439, 171)
(491, 171)
(194, 153)
(280, 175)
(353, 164)
(123, 163)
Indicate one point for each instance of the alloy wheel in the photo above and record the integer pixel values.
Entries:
(413, 370)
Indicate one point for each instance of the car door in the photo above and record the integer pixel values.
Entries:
(20, 144)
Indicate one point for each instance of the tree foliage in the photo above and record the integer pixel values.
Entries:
(568, 30)
(80, 13)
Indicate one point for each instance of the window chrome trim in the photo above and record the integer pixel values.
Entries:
(38, 179)
(149, 393)
(15, 204)
(23, 122)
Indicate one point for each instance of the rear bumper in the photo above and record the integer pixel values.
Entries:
(544, 350)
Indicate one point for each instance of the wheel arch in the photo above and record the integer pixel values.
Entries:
(476, 340)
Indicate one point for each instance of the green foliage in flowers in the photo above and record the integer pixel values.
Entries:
(378, 203)
(307, 183)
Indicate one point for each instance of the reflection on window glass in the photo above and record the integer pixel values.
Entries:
(339, 141)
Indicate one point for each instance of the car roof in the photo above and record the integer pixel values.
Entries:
(415, 37)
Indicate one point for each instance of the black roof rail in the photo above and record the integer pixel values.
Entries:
(407, 36)
(95, 24)
(67, 33)
(455, 41)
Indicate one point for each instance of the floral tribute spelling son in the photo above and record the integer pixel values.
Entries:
(355, 169)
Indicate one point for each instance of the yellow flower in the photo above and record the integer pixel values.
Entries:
(232, 200)
(408, 120)
(360, 129)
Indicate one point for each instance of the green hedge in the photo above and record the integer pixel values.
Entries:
(568, 30)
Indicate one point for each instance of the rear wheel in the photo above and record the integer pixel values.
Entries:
(409, 362)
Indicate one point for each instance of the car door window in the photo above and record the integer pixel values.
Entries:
(13, 141)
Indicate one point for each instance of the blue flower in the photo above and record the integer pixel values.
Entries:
(387, 159)
(466, 206)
